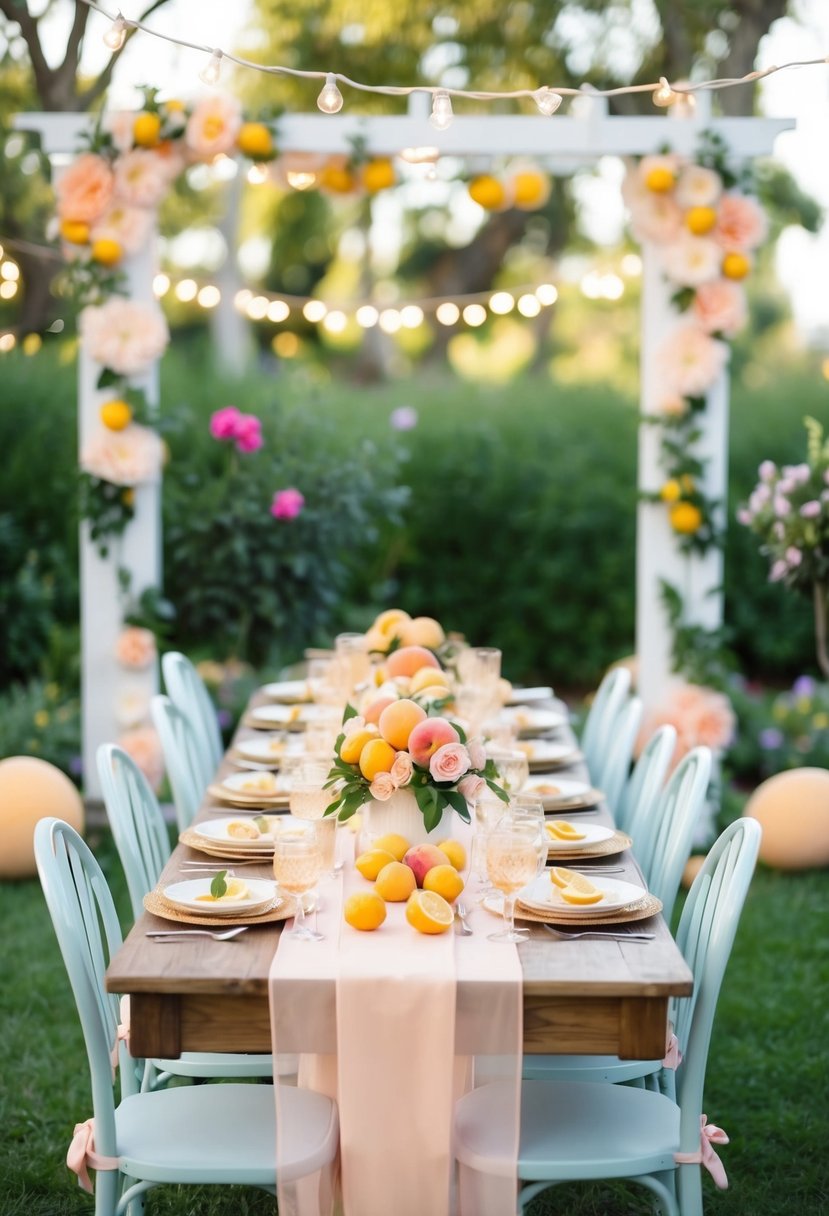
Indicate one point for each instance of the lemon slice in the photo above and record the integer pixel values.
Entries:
(429, 912)
(560, 829)
(577, 895)
(261, 783)
(562, 877)
(236, 889)
(240, 830)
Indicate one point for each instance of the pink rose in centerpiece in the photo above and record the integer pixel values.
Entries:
(741, 224)
(141, 178)
(124, 335)
(85, 189)
(450, 762)
(287, 504)
(477, 753)
(213, 126)
(382, 787)
(126, 458)
(690, 361)
(401, 770)
(135, 648)
(720, 307)
(471, 787)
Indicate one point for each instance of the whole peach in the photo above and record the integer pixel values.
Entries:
(428, 736)
(398, 720)
(409, 659)
(421, 631)
(421, 858)
(373, 710)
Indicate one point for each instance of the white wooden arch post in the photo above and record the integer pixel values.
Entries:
(559, 142)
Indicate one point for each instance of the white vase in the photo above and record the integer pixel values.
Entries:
(402, 815)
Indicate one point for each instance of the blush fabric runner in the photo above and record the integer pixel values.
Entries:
(395, 1026)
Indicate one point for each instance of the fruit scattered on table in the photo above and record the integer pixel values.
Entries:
(393, 843)
(429, 912)
(445, 881)
(395, 882)
(364, 910)
(455, 853)
(421, 858)
(371, 863)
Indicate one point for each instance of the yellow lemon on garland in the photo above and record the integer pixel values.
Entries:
(685, 518)
(146, 130)
(255, 140)
(487, 192)
(116, 415)
(378, 174)
(445, 881)
(75, 232)
(660, 180)
(107, 251)
(365, 911)
(395, 882)
(337, 178)
(429, 912)
(700, 220)
(736, 265)
(372, 862)
(530, 189)
(671, 491)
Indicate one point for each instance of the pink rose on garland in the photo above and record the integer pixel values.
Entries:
(129, 226)
(213, 126)
(135, 648)
(143, 745)
(702, 717)
(401, 770)
(124, 335)
(720, 307)
(85, 189)
(449, 762)
(287, 504)
(126, 458)
(741, 223)
(690, 361)
(141, 178)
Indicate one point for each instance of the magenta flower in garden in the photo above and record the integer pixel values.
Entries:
(404, 418)
(223, 422)
(287, 504)
(244, 429)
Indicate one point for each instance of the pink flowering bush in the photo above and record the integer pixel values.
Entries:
(245, 430)
(702, 717)
(287, 504)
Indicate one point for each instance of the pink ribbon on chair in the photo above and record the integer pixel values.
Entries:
(709, 1136)
(673, 1056)
(82, 1155)
(122, 1033)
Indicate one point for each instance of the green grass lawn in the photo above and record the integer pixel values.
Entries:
(766, 1077)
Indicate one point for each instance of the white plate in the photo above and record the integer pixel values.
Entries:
(289, 691)
(523, 696)
(559, 792)
(531, 721)
(291, 716)
(546, 752)
(592, 833)
(269, 749)
(184, 895)
(257, 785)
(216, 830)
(542, 895)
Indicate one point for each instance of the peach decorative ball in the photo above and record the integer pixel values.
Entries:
(692, 867)
(408, 660)
(31, 789)
(793, 810)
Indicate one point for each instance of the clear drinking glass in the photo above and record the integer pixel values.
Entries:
(354, 661)
(308, 799)
(511, 862)
(529, 808)
(297, 866)
(512, 766)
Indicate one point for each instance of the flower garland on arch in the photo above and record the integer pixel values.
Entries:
(706, 226)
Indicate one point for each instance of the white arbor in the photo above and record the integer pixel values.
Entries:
(559, 143)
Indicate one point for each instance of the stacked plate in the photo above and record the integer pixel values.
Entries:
(531, 721)
(544, 754)
(544, 897)
(587, 836)
(525, 696)
(228, 837)
(562, 793)
(289, 692)
(285, 717)
(252, 790)
(193, 896)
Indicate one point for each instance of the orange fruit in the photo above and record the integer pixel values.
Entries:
(116, 415)
(376, 757)
(429, 912)
(660, 180)
(393, 843)
(364, 910)
(444, 880)
(455, 852)
(736, 265)
(395, 882)
(700, 220)
(372, 862)
(146, 130)
(398, 720)
(75, 232)
(408, 660)
(107, 251)
(685, 518)
(255, 140)
(487, 192)
(354, 743)
(378, 174)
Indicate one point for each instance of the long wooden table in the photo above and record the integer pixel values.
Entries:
(586, 996)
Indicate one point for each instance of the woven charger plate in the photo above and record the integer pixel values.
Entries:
(229, 851)
(649, 905)
(278, 909)
(614, 844)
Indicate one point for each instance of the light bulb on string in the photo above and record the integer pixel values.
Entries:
(213, 69)
(116, 35)
(547, 100)
(664, 95)
(441, 116)
(330, 100)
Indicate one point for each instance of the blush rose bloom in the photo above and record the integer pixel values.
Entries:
(129, 226)
(449, 762)
(213, 126)
(692, 260)
(124, 335)
(698, 187)
(132, 706)
(85, 190)
(477, 753)
(382, 787)
(701, 716)
(144, 747)
(471, 787)
(401, 770)
(720, 307)
(135, 648)
(741, 223)
(141, 178)
(120, 124)
(690, 361)
(287, 504)
(126, 458)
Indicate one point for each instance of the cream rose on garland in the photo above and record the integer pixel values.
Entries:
(124, 458)
(124, 335)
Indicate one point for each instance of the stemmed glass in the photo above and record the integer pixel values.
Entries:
(297, 866)
(512, 767)
(309, 799)
(353, 661)
(512, 850)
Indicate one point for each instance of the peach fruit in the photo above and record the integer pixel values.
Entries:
(429, 677)
(372, 712)
(408, 660)
(421, 631)
(398, 720)
(421, 858)
(428, 736)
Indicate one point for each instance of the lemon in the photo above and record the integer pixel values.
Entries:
(487, 192)
(371, 863)
(236, 889)
(428, 912)
(393, 843)
(576, 895)
(116, 415)
(685, 518)
(660, 180)
(562, 877)
(74, 231)
(445, 881)
(378, 174)
(337, 179)
(146, 130)
(735, 265)
(241, 830)
(562, 830)
(671, 491)
(106, 251)
(354, 743)
(395, 882)
(530, 189)
(376, 757)
(455, 851)
(365, 911)
(255, 140)
(700, 220)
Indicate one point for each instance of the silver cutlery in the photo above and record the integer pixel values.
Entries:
(224, 936)
(464, 927)
(597, 933)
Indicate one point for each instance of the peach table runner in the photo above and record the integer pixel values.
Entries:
(395, 1026)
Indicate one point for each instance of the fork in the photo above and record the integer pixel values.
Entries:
(224, 936)
(463, 923)
(607, 937)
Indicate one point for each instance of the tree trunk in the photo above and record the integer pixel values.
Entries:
(755, 19)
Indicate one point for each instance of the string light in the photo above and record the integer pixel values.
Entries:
(442, 115)
(501, 303)
(447, 313)
(278, 311)
(330, 100)
(335, 321)
(546, 294)
(211, 72)
(411, 316)
(161, 285)
(116, 35)
(474, 315)
(186, 290)
(547, 100)
(209, 296)
(390, 320)
(528, 305)
(314, 310)
(367, 316)
(664, 95)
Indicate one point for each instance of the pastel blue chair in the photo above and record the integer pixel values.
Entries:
(611, 771)
(666, 850)
(186, 689)
(608, 701)
(184, 761)
(645, 783)
(577, 1131)
(216, 1134)
(143, 845)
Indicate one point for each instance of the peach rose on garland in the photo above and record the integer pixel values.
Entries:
(141, 178)
(449, 762)
(143, 745)
(702, 717)
(124, 335)
(720, 307)
(135, 648)
(212, 127)
(125, 458)
(692, 260)
(129, 226)
(690, 361)
(741, 223)
(85, 190)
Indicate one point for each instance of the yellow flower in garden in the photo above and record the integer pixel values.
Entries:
(378, 174)
(75, 232)
(820, 721)
(487, 192)
(255, 140)
(736, 265)
(700, 220)
(671, 491)
(146, 130)
(660, 180)
(41, 719)
(116, 415)
(52, 690)
(107, 251)
(685, 518)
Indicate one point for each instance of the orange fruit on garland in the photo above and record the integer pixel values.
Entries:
(116, 415)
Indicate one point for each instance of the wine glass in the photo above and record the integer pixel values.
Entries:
(512, 766)
(529, 808)
(309, 799)
(487, 809)
(511, 862)
(351, 650)
(297, 866)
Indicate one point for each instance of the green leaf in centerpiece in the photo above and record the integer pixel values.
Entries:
(460, 730)
(457, 802)
(218, 886)
(349, 713)
(497, 789)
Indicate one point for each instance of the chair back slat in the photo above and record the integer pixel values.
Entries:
(646, 780)
(137, 824)
(612, 775)
(609, 699)
(663, 845)
(187, 690)
(182, 759)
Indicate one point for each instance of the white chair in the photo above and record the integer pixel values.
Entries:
(576, 1131)
(143, 845)
(612, 769)
(608, 701)
(217, 1134)
(645, 783)
(186, 689)
(183, 759)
